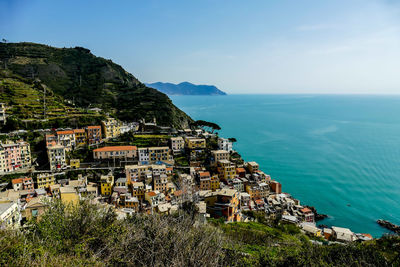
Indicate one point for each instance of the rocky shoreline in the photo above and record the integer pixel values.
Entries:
(317, 216)
(390, 226)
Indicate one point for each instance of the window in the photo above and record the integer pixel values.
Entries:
(34, 213)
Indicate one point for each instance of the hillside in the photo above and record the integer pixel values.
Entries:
(76, 76)
(26, 109)
(91, 235)
(185, 88)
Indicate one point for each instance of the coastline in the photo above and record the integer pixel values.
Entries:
(308, 162)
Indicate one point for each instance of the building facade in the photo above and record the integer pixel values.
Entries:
(14, 156)
(80, 137)
(177, 144)
(93, 135)
(111, 128)
(66, 139)
(45, 180)
(225, 144)
(56, 155)
(151, 155)
(115, 152)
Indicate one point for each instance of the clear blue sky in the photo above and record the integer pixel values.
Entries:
(308, 46)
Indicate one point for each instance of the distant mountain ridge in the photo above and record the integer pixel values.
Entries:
(185, 88)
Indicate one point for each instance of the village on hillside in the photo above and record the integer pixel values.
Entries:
(161, 173)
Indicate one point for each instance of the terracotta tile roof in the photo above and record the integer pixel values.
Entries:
(240, 170)
(79, 130)
(178, 193)
(368, 235)
(65, 132)
(305, 210)
(50, 135)
(204, 174)
(169, 169)
(152, 194)
(16, 181)
(94, 127)
(115, 148)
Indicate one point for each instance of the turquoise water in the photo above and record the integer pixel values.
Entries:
(340, 154)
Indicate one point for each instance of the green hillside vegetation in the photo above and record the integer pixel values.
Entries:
(76, 75)
(140, 140)
(25, 105)
(90, 234)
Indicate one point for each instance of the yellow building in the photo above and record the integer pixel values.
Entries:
(107, 183)
(160, 183)
(68, 195)
(138, 190)
(214, 182)
(205, 180)
(80, 137)
(132, 203)
(137, 173)
(257, 191)
(111, 128)
(196, 143)
(226, 170)
(223, 203)
(74, 163)
(45, 180)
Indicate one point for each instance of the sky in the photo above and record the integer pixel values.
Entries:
(257, 46)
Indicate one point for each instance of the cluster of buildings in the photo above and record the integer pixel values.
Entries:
(150, 182)
(62, 141)
(29, 197)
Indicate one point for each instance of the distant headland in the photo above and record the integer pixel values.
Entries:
(185, 88)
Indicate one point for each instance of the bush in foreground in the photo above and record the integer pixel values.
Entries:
(89, 234)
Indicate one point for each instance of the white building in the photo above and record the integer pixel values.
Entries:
(225, 144)
(343, 234)
(66, 139)
(127, 127)
(10, 215)
(177, 144)
(56, 155)
(143, 154)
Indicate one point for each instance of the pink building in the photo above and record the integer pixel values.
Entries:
(14, 156)
(12, 153)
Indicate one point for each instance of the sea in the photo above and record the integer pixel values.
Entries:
(338, 153)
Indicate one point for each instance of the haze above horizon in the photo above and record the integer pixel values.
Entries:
(257, 47)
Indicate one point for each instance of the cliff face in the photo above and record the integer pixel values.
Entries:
(81, 78)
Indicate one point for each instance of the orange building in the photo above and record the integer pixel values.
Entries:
(93, 134)
(276, 187)
(205, 180)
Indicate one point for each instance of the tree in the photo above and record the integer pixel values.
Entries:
(232, 139)
(206, 125)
